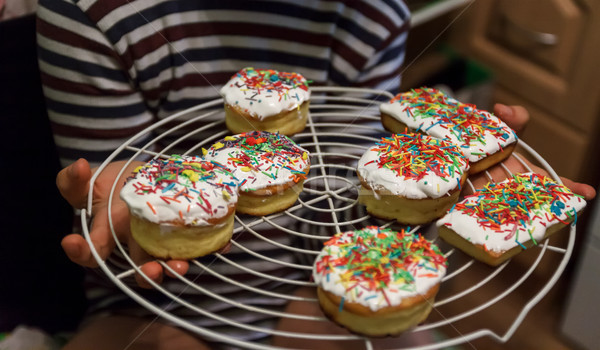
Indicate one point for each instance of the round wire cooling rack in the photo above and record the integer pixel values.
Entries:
(239, 298)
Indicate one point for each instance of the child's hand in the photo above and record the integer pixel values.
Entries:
(73, 183)
(517, 117)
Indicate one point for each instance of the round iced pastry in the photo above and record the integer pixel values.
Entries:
(412, 178)
(181, 207)
(483, 138)
(377, 281)
(502, 219)
(267, 100)
(271, 169)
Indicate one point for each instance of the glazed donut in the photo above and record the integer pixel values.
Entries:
(412, 178)
(377, 281)
(267, 100)
(181, 207)
(483, 138)
(270, 167)
(502, 219)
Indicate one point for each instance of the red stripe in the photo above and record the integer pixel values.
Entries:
(171, 34)
(102, 8)
(373, 14)
(350, 55)
(378, 79)
(73, 39)
(79, 88)
(190, 80)
(398, 31)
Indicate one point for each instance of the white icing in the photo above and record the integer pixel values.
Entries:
(476, 150)
(270, 164)
(188, 200)
(430, 185)
(261, 102)
(426, 274)
(469, 228)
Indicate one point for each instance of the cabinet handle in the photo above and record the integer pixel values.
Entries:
(547, 39)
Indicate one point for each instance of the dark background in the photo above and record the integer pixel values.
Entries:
(39, 286)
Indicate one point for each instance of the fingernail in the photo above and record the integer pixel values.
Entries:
(503, 110)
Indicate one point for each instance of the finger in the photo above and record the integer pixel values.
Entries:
(153, 270)
(180, 267)
(516, 117)
(121, 219)
(73, 182)
(101, 234)
(584, 190)
(78, 250)
(149, 267)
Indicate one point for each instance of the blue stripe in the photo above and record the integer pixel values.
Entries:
(68, 10)
(226, 53)
(339, 78)
(86, 68)
(145, 16)
(95, 111)
(392, 53)
(359, 32)
(400, 8)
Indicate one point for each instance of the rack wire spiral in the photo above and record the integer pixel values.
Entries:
(342, 124)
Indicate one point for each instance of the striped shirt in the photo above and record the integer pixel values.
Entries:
(110, 68)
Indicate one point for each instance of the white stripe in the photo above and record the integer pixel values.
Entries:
(353, 15)
(99, 123)
(86, 144)
(355, 44)
(382, 70)
(124, 11)
(77, 77)
(193, 93)
(92, 101)
(389, 12)
(392, 84)
(149, 29)
(366, 23)
(344, 68)
(78, 53)
(85, 5)
(388, 66)
(226, 65)
(180, 46)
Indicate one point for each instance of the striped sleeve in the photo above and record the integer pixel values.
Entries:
(112, 67)
(382, 27)
(92, 105)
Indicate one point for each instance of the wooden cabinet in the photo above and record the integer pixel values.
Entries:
(545, 55)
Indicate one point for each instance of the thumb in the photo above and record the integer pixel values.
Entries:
(73, 182)
(516, 117)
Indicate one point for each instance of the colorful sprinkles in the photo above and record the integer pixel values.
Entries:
(414, 155)
(465, 122)
(179, 184)
(260, 158)
(374, 263)
(510, 208)
(261, 83)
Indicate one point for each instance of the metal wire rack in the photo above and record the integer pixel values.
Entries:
(343, 123)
